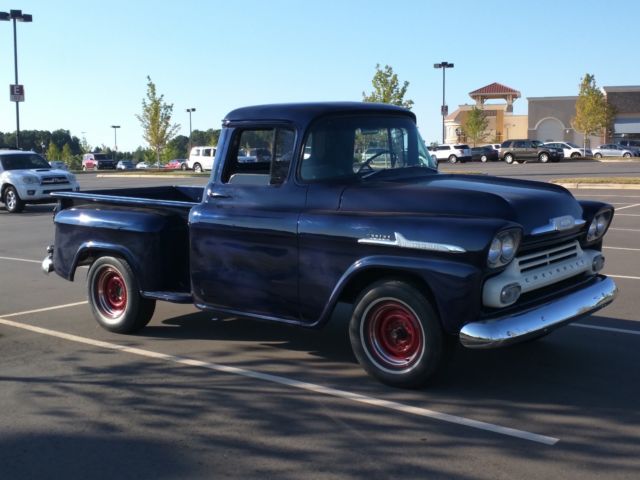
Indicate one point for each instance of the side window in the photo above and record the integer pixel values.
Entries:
(259, 156)
(196, 152)
(206, 152)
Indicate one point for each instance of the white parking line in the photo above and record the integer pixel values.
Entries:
(627, 214)
(623, 276)
(47, 309)
(623, 248)
(310, 387)
(625, 229)
(628, 206)
(20, 260)
(607, 329)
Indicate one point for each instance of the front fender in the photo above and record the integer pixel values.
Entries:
(453, 287)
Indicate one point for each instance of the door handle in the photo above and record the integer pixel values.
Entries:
(212, 194)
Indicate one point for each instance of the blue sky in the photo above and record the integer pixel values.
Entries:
(84, 63)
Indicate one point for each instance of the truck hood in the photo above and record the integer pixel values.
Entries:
(530, 204)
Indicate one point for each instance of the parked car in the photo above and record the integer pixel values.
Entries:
(142, 165)
(515, 151)
(125, 165)
(495, 146)
(613, 150)
(58, 165)
(633, 145)
(484, 154)
(570, 150)
(201, 158)
(177, 164)
(452, 153)
(97, 161)
(26, 177)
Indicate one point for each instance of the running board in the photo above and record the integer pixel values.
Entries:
(173, 297)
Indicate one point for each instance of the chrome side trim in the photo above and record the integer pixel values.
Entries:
(558, 224)
(399, 240)
(539, 320)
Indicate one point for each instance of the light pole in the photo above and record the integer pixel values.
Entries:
(190, 110)
(444, 110)
(16, 15)
(115, 138)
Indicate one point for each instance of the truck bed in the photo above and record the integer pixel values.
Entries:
(169, 196)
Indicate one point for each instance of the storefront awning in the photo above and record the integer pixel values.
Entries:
(626, 125)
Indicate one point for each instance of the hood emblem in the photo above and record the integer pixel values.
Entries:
(398, 240)
(558, 224)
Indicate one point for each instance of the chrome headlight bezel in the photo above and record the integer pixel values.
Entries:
(599, 225)
(503, 247)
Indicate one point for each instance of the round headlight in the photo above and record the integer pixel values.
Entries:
(601, 224)
(495, 250)
(508, 248)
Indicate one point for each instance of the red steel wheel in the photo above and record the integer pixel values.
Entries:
(111, 292)
(394, 334)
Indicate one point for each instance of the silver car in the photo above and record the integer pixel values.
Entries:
(612, 150)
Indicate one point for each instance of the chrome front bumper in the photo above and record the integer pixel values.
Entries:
(47, 263)
(539, 320)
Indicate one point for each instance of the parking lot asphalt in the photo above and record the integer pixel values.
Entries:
(199, 397)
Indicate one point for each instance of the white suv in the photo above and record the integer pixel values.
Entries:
(26, 177)
(452, 153)
(201, 158)
(571, 150)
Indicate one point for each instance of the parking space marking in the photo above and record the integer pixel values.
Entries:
(20, 260)
(623, 248)
(46, 309)
(627, 214)
(309, 387)
(607, 329)
(629, 206)
(623, 276)
(626, 229)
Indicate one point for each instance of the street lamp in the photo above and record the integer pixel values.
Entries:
(444, 110)
(16, 90)
(115, 138)
(190, 110)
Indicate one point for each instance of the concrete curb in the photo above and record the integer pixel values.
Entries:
(600, 186)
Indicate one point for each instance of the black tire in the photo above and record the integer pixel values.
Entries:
(114, 297)
(597, 155)
(575, 155)
(452, 159)
(197, 168)
(396, 335)
(484, 158)
(12, 201)
(627, 155)
(543, 157)
(183, 166)
(509, 158)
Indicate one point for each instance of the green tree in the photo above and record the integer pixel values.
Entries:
(53, 152)
(475, 125)
(593, 113)
(387, 89)
(66, 153)
(156, 120)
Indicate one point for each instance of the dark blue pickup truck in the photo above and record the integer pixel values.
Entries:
(348, 206)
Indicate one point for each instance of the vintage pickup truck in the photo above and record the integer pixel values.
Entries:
(424, 258)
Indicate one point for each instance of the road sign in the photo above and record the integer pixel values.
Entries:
(444, 110)
(16, 93)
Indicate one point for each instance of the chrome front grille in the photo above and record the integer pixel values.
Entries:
(548, 257)
(56, 180)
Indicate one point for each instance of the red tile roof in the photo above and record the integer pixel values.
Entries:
(495, 89)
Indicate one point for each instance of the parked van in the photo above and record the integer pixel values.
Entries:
(201, 158)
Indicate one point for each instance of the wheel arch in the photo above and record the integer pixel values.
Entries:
(89, 252)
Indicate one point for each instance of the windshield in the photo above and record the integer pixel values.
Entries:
(357, 146)
(572, 145)
(23, 161)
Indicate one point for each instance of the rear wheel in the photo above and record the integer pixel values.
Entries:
(452, 159)
(12, 200)
(114, 298)
(597, 155)
(543, 157)
(484, 158)
(575, 155)
(197, 168)
(396, 335)
(627, 155)
(509, 158)
(183, 166)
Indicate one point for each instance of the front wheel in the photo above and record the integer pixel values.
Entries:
(544, 157)
(197, 168)
(598, 155)
(627, 155)
(183, 166)
(575, 155)
(396, 335)
(484, 158)
(452, 159)
(12, 200)
(114, 298)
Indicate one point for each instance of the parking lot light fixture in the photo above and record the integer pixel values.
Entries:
(190, 111)
(16, 16)
(115, 138)
(443, 109)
